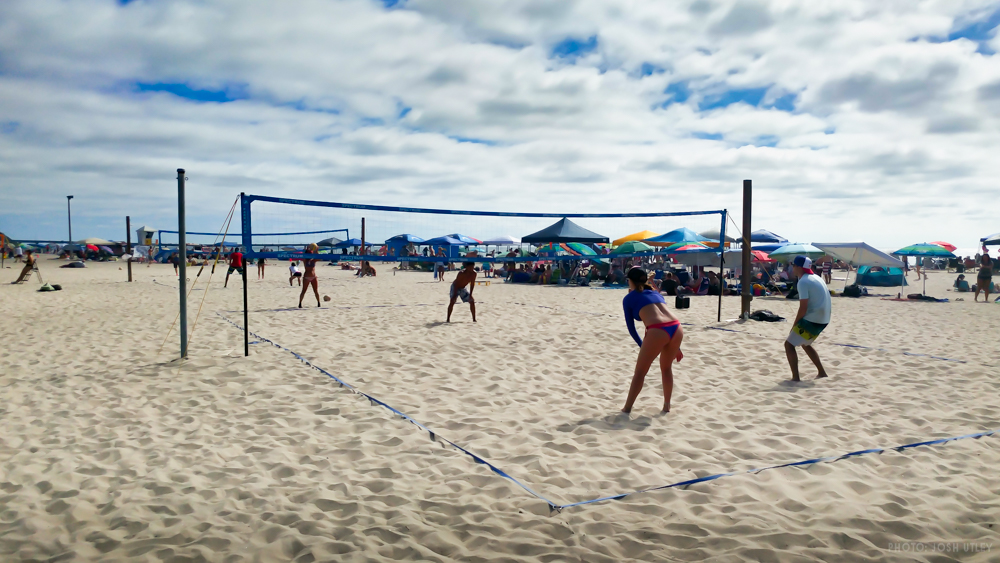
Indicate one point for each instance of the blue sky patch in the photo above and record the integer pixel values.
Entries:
(679, 93)
(784, 103)
(707, 136)
(182, 90)
(979, 31)
(472, 140)
(9, 127)
(391, 3)
(573, 48)
(766, 141)
(749, 96)
(649, 69)
(404, 112)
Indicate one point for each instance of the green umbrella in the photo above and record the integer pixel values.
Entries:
(581, 248)
(632, 247)
(924, 249)
(799, 249)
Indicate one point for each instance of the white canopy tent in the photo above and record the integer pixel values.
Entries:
(502, 240)
(859, 254)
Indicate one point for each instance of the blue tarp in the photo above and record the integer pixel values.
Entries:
(881, 278)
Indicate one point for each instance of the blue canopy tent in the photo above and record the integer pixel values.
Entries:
(397, 243)
(768, 248)
(564, 230)
(464, 239)
(451, 245)
(991, 240)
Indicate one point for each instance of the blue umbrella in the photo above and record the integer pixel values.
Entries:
(405, 238)
(445, 241)
(351, 242)
(464, 239)
(761, 235)
(677, 235)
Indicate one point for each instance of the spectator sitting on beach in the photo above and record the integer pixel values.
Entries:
(960, 284)
(669, 284)
(714, 285)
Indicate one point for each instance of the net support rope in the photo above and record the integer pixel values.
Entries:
(556, 507)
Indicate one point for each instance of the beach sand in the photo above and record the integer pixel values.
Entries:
(114, 450)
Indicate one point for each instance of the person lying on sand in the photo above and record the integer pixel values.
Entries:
(465, 278)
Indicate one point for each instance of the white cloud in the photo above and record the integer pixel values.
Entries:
(350, 101)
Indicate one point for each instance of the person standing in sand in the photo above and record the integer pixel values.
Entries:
(465, 278)
(813, 316)
(663, 335)
(309, 277)
(235, 264)
(260, 268)
(984, 279)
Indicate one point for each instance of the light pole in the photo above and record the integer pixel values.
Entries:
(69, 218)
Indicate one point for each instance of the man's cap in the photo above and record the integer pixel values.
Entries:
(802, 262)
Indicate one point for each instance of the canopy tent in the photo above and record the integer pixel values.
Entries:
(859, 254)
(641, 235)
(991, 240)
(880, 277)
(502, 240)
(351, 243)
(464, 239)
(563, 230)
(677, 235)
(332, 241)
(760, 235)
(444, 241)
(407, 239)
(790, 251)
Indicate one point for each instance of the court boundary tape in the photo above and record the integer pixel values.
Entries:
(555, 507)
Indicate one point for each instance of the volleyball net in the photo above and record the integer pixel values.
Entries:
(408, 234)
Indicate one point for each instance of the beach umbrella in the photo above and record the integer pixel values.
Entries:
(332, 241)
(92, 247)
(405, 238)
(790, 251)
(106, 249)
(351, 242)
(641, 235)
(632, 247)
(581, 248)
(859, 254)
(95, 241)
(760, 256)
(444, 241)
(946, 245)
(924, 249)
(674, 236)
(683, 246)
(502, 240)
(555, 249)
(761, 235)
(991, 240)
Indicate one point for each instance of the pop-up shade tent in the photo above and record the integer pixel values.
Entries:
(677, 235)
(859, 254)
(398, 243)
(991, 240)
(349, 243)
(761, 235)
(563, 230)
(332, 241)
(641, 235)
(94, 241)
(452, 246)
(502, 240)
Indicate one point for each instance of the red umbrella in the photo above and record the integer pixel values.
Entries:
(92, 247)
(761, 256)
(947, 245)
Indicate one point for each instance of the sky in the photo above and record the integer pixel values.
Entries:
(875, 121)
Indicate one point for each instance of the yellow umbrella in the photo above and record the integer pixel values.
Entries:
(634, 236)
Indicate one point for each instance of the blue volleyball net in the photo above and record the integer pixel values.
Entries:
(407, 234)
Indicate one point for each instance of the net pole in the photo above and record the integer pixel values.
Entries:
(182, 253)
(247, 252)
(746, 296)
(362, 251)
(722, 264)
(128, 245)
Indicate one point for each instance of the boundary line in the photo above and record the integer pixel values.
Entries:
(435, 437)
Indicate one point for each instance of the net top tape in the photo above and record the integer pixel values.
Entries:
(251, 198)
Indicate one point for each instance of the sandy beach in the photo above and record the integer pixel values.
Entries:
(114, 449)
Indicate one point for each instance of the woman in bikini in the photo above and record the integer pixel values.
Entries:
(663, 335)
(309, 277)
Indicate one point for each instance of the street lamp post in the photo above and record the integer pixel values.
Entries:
(69, 218)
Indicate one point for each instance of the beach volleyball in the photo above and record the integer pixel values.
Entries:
(326, 298)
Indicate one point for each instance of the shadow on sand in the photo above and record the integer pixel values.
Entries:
(615, 421)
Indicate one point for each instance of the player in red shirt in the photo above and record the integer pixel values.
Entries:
(235, 263)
